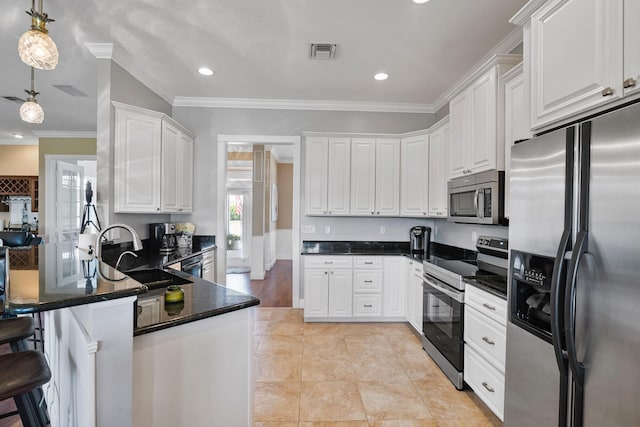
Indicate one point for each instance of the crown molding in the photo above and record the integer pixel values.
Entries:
(100, 50)
(64, 134)
(15, 141)
(498, 54)
(524, 14)
(296, 104)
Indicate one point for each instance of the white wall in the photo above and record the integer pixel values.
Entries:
(454, 234)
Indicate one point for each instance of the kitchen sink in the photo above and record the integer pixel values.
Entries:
(156, 278)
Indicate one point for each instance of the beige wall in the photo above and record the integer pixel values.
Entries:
(285, 196)
(71, 146)
(20, 160)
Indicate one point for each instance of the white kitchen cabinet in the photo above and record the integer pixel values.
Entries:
(328, 286)
(414, 294)
(327, 175)
(137, 160)
(177, 169)
(153, 162)
(485, 332)
(415, 173)
(516, 121)
(375, 176)
(367, 286)
(476, 117)
(576, 57)
(394, 286)
(631, 75)
(438, 173)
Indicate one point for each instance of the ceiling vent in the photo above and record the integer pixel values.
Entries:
(70, 90)
(322, 50)
(14, 99)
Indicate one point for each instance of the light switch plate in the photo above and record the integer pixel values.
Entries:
(474, 236)
(308, 229)
(327, 229)
(383, 229)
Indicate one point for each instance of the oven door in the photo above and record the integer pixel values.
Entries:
(193, 266)
(443, 319)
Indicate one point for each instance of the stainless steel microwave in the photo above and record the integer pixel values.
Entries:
(477, 198)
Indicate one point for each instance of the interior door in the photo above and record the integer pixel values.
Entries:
(69, 205)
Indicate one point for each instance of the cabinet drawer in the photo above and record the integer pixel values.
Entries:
(485, 380)
(367, 281)
(328, 262)
(484, 302)
(361, 262)
(488, 337)
(367, 305)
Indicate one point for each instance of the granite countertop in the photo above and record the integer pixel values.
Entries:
(202, 299)
(53, 276)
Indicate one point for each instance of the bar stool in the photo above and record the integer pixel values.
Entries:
(21, 374)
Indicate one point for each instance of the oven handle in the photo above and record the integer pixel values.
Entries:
(458, 296)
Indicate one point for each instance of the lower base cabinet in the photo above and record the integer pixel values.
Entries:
(414, 294)
(485, 334)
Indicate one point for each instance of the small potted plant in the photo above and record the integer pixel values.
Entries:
(233, 242)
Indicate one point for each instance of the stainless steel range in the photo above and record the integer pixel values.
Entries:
(443, 303)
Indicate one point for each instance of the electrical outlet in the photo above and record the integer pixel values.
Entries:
(435, 231)
(308, 229)
(474, 236)
(327, 229)
(383, 229)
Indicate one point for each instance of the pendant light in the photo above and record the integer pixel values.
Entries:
(30, 110)
(35, 47)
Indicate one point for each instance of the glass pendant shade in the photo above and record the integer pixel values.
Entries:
(31, 111)
(38, 50)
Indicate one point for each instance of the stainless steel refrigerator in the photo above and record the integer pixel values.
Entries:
(573, 336)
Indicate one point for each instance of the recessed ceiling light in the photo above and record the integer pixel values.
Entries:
(420, 1)
(381, 76)
(17, 135)
(205, 71)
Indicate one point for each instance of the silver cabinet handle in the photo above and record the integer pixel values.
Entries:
(490, 307)
(488, 341)
(489, 389)
(328, 262)
(157, 209)
(630, 82)
(607, 91)
(368, 281)
(419, 270)
(368, 262)
(368, 305)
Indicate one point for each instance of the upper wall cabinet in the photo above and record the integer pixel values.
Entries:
(438, 173)
(375, 176)
(153, 159)
(414, 176)
(327, 167)
(476, 121)
(576, 56)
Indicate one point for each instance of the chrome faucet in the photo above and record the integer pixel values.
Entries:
(137, 244)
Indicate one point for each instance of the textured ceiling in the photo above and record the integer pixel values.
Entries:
(258, 49)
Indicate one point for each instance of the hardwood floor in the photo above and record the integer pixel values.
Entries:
(273, 291)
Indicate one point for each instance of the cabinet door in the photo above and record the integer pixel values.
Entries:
(483, 122)
(340, 292)
(414, 179)
(316, 293)
(363, 176)
(338, 179)
(516, 125)
(438, 173)
(315, 177)
(417, 301)
(393, 286)
(170, 167)
(458, 135)
(185, 175)
(576, 57)
(631, 74)
(387, 177)
(137, 153)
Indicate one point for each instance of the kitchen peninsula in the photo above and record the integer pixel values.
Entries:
(189, 363)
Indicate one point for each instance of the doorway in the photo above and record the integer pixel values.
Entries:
(270, 252)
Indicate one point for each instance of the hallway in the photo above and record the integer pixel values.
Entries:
(273, 291)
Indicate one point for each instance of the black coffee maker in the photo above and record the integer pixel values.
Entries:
(420, 241)
(162, 237)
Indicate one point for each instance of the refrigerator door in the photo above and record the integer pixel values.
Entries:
(532, 381)
(537, 194)
(607, 287)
